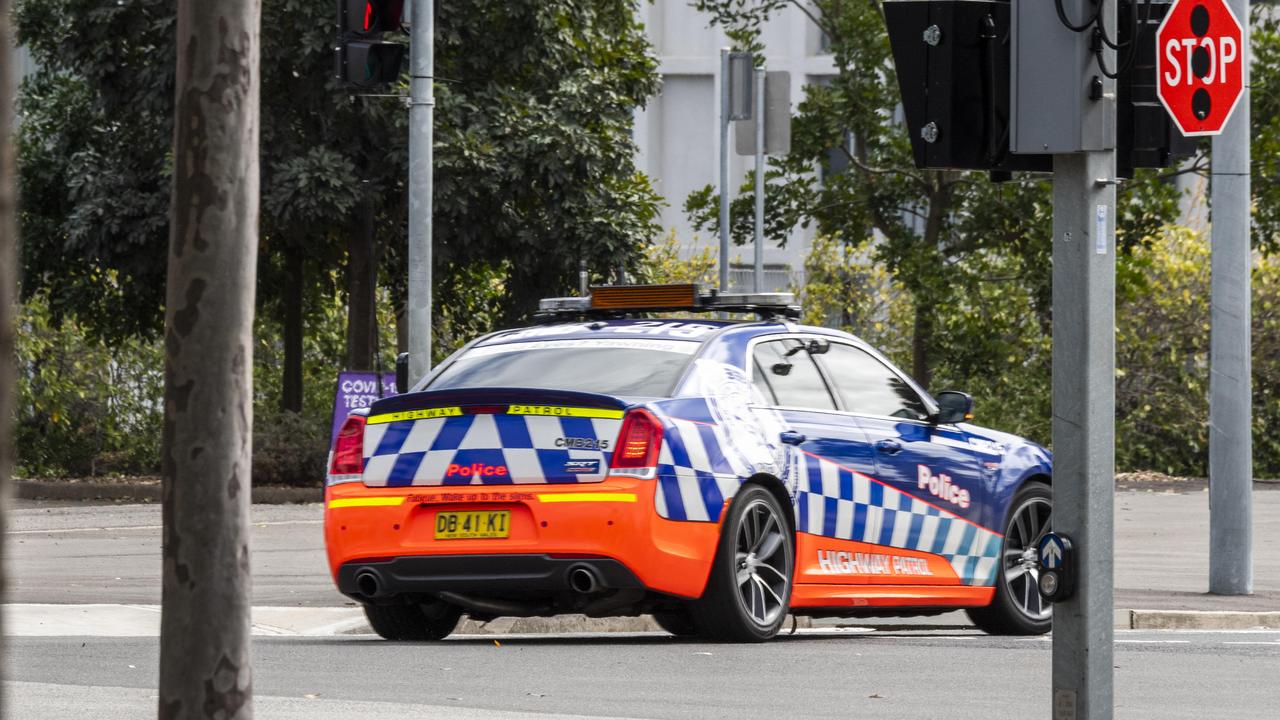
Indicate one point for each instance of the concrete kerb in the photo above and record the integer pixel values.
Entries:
(1197, 620)
(146, 492)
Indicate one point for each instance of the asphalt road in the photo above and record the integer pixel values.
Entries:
(72, 553)
(813, 675)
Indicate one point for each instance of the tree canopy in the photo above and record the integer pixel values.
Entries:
(534, 159)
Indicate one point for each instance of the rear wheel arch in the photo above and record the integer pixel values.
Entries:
(779, 492)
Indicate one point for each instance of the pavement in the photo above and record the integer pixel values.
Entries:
(813, 675)
(78, 568)
(83, 621)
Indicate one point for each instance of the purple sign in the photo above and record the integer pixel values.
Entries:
(357, 390)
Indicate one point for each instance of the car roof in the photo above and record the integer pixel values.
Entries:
(692, 330)
(697, 330)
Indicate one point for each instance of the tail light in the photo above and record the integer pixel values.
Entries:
(636, 452)
(348, 449)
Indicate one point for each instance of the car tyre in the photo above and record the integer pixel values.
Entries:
(413, 621)
(1017, 607)
(677, 622)
(749, 591)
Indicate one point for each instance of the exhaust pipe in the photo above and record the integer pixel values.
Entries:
(368, 583)
(583, 580)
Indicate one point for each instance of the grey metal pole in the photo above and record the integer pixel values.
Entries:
(421, 105)
(1230, 384)
(1084, 294)
(724, 169)
(759, 111)
(1084, 427)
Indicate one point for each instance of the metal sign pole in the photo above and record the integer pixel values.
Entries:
(421, 106)
(725, 82)
(1230, 395)
(1084, 428)
(760, 114)
(1084, 293)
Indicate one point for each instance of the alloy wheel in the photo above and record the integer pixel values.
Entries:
(762, 573)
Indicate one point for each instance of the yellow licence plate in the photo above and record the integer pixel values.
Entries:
(468, 525)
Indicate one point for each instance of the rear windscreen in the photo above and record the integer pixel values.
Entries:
(641, 368)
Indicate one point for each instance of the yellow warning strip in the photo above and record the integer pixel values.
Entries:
(366, 502)
(587, 497)
(558, 411)
(421, 414)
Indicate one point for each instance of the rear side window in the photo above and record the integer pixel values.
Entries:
(638, 368)
(868, 387)
(788, 370)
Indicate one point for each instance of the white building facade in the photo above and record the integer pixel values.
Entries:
(678, 132)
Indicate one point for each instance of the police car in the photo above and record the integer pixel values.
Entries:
(718, 475)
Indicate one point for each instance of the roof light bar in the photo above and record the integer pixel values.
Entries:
(622, 299)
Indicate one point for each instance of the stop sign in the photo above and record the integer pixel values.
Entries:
(1200, 65)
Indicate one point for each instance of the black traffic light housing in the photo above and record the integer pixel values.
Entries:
(952, 58)
(1145, 134)
(953, 61)
(362, 58)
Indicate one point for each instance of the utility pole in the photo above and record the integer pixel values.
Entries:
(1084, 428)
(759, 114)
(208, 401)
(1230, 381)
(8, 291)
(421, 108)
(725, 83)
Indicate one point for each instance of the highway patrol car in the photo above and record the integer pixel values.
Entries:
(717, 475)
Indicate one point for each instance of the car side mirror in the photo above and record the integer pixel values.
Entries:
(782, 368)
(402, 373)
(953, 407)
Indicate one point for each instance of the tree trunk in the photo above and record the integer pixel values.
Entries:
(8, 290)
(291, 383)
(402, 328)
(207, 445)
(360, 289)
(942, 184)
(921, 341)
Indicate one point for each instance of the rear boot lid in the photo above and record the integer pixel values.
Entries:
(490, 436)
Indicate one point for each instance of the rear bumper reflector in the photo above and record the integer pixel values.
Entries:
(587, 497)
(366, 502)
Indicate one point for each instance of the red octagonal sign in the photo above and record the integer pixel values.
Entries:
(1200, 65)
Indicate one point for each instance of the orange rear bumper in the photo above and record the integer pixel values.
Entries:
(612, 519)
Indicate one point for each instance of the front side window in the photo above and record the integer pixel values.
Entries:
(791, 374)
(869, 387)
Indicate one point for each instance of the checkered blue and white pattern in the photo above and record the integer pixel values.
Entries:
(836, 502)
(420, 452)
(696, 476)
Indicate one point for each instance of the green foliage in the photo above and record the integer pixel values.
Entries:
(663, 264)
(935, 232)
(997, 350)
(534, 157)
(86, 407)
(1264, 80)
(844, 289)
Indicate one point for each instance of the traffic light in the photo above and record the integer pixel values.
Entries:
(1145, 134)
(952, 58)
(362, 58)
(954, 71)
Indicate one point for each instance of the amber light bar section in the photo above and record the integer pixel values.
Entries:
(640, 297)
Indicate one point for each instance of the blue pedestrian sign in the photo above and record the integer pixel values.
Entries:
(1052, 550)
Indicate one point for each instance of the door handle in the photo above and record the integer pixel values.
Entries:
(889, 447)
(791, 437)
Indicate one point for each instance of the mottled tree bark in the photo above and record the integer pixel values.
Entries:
(204, 631)
(8, 291)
